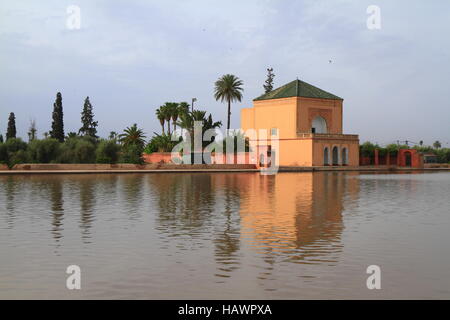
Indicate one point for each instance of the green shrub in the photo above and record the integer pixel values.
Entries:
(21, 156)
(443, 155)
(44, 151)
(13, 151)
(3, 154)
(15, 144)
(107, 151)
(77, 150)
(160, 143)
(84, 152)
(367, 149)
(132, 154)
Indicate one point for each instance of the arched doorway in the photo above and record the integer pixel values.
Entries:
(408, 159)
(326, 157)
(344, 156)
(335, 156)
(262, 162)
(319, 125)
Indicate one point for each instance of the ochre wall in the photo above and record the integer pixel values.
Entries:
(267, 114)
(292, 115)
(330, 110)
(296, 152)
(292, 152)
(352, 151)
(247, 118)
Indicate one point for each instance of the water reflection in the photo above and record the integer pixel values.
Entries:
(11, 190)
(56, 198)
(216, 220)
(284, 218)
(297, 218)
(227, 229)
(132, 186)
(185, 202)
(218, 235)
(86, 191)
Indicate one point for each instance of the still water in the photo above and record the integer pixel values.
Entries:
(225, 235)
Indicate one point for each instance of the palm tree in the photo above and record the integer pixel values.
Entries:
(228, 88)
(187, 122)
(161, 117)
(167, 112)
(113, 135)
(71, 135)
(183, 107)
(132, 135)
(173, 109)
(437, 144)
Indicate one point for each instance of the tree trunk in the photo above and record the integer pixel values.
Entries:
(229, 114)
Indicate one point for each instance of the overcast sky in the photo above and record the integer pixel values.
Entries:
(130, 57)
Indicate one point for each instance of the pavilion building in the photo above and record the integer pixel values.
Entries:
(305, 122)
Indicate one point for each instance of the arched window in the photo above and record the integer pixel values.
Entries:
(335, 156)
(326, 157)
(344, 156)
(319, 125)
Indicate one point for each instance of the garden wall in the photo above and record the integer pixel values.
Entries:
(216, 158)
(124, 167)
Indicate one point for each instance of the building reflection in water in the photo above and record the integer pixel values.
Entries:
(284, 218)
(296, 217)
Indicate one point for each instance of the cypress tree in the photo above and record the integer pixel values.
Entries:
(57, 131)
(11, 131)
(269, 82)
(89, 126)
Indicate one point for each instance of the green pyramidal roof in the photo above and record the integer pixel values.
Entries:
(298, 88)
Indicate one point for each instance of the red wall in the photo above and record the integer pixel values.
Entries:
(416, 158)
(157, 157)
(217, 158)
(399, 159)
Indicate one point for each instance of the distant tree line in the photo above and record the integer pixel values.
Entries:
(83, 146)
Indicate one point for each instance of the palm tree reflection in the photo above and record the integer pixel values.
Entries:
(185, 203)
(227, 231)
